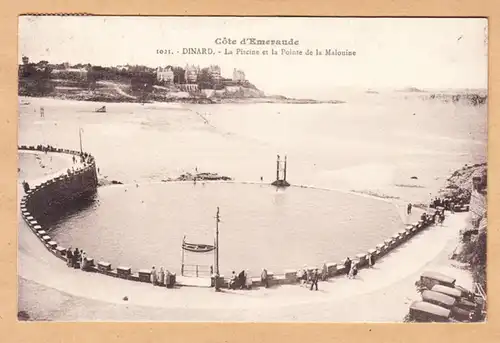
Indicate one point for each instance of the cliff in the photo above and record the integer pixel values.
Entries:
(472, 181)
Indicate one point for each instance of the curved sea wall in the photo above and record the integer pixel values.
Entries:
(50, 196)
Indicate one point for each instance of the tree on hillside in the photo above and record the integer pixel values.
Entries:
(179, 75)
(205, 80)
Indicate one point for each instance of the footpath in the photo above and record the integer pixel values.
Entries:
(49, 290)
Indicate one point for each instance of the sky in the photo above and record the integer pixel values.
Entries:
(390, 52)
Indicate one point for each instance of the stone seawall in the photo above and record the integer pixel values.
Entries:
(378, 252)
(50, 196)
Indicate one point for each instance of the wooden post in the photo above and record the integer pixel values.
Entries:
(278, 168)
(284, 171)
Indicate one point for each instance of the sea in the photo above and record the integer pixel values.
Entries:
(393, 147)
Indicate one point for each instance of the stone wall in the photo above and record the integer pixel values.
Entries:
(44, 199)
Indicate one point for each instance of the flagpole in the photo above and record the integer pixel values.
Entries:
(217, 289)
(80, 134)
(182, 248)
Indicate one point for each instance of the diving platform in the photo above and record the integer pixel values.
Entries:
(281, 169)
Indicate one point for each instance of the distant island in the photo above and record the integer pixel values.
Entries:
(141, 84)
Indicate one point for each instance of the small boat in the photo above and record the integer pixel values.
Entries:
(101, 109)
(193, 247)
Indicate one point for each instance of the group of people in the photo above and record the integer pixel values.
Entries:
(449, 203)
(312, 276)
(436, 218)
(240, 281)
(160, 277)
(77, 259)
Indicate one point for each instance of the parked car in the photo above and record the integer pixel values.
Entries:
(457, 295)
(421, 311)
(459, 313)
(428, 279)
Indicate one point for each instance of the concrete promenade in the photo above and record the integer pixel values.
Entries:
(51, 291)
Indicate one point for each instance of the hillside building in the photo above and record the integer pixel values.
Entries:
(165, 74)
(238, 75)
(191, 73)
(215, 73)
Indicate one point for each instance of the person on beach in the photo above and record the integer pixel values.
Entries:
(347, 265)
(452, 207)
(261, 179)
(161, 277)
(69, 256)
(314, 279)
(408, 209)
(154, 276)
(264, 278)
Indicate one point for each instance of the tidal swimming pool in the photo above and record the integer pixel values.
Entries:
(144, 225)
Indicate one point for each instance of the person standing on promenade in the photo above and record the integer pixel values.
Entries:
(242, 279)
(264, 278)
(314, 279)
(248, 280)
(371, 262)
(232, 281)
(76, 258)
(161, 277)
(154, 276)
(408, 209)
(324, 272)
(441, 218)
(354, 270)
(69, 257)
(347, 265)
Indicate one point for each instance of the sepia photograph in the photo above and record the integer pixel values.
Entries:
(252, 169)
